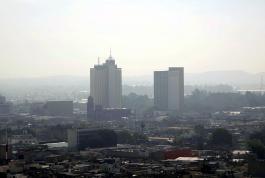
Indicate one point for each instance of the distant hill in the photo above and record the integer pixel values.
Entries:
(206, 78)
(46, 81)
(236, 78)
(77, 87)
(233, 77)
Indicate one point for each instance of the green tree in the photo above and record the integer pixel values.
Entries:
(258, 135)
(221, 137)
(256, 143)
(140, 103)
(257, 147)
(200, 136)
(126, 137)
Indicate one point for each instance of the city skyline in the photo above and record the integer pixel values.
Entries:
(40, 39)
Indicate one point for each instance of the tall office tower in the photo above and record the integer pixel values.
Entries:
(106, 84)
(169, 89)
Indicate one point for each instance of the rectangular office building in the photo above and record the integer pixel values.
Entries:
(81, 139)
(169, 89)
(106, 84)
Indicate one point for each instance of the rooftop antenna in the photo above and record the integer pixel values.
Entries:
(110, 53)
(261, 83)
(98, 61)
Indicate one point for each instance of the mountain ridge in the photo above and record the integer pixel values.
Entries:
(232, 77)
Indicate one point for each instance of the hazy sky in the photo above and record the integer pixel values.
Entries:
(65, 37)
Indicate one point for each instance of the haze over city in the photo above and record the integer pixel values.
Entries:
(132, 88)
(63, 37)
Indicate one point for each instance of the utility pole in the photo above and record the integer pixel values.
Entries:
(261, 84)
(6, 144)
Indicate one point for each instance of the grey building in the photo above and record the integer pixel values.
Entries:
(99, 113)
(106, 84)
(59, 108)
(169, 89)
(80, 139)
(5, 107)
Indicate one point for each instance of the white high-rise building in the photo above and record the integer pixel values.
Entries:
(106, 84)
(169, 89)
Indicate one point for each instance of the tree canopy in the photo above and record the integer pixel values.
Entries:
(221, 137)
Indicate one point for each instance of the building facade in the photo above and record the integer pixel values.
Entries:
(106, 84)
(169, 89)
(99, 113)
(5, 107)
(59, 108)
(80, 139)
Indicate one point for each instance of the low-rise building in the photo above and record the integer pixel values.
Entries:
(80, 139)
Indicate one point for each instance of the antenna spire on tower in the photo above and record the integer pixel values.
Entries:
(261, 83)
(110, 53)
(98, 61)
